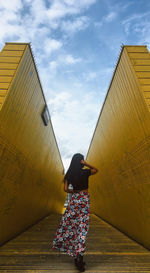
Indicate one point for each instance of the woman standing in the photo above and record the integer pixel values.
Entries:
(74, 225)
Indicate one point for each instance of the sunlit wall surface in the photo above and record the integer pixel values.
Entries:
(120, 148)
(31, 169)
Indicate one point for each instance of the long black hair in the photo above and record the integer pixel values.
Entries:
(74, 170)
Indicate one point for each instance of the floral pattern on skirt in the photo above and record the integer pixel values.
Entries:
(74, 225)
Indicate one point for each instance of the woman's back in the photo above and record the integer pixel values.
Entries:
(82, 182)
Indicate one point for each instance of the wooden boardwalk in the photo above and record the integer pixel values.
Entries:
(108, 250)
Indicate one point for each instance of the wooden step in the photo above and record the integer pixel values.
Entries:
(108, 250)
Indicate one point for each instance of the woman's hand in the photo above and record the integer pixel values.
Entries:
(66, 188)
(93, 169)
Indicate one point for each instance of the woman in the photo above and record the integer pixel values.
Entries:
(71, 233)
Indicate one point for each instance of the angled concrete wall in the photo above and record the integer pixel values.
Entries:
(31, 169)
(120, 148)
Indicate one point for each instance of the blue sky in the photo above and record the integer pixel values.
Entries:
(76, 44)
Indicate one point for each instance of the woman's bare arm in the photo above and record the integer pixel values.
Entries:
(94, 170)
(66, 186)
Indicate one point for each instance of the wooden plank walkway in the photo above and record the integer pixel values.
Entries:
(108, 250)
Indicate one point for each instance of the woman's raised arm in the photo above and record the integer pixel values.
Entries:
(94, 170)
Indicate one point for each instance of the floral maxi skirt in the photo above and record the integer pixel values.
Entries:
(74, 225)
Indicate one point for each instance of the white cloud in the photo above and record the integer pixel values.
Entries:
(111, 16)
(51, 45)
(102, 75)
(84, 3)
(72, 26)
(32, 21)
(14, 5)
(138, 24)
(98, 24)
(135, 17)
(60, 8)
(53, 65)
(79, 2)
(91, 76)
(35, 16)
(69, 59)
(38, 13)
(62, 61)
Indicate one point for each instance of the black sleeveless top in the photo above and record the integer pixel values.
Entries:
(83, 181)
